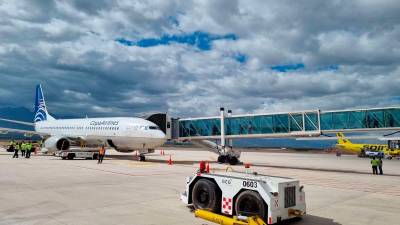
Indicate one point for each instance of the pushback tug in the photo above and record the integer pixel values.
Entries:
(237, 194)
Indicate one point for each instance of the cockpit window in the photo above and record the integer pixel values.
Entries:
(153, 128)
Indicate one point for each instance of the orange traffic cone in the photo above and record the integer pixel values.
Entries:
(170, 160)
(208, 167)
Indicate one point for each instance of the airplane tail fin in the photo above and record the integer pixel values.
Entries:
(342, 139)
(41, 113)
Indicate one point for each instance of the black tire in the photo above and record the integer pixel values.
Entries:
(206, 195)
(233, 160)
(63, 158)
(221, 159)
(142, 158)
(71, 156)
(95, 156)
(250, 203)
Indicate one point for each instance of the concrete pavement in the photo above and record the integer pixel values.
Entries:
(48, 190)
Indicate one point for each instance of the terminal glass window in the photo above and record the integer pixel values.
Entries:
(360, 119)
(199, 127)
(292, 122)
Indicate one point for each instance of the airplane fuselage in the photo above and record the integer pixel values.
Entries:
(125, 132)
(357, 148)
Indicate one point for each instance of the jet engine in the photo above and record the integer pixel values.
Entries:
(57, 143)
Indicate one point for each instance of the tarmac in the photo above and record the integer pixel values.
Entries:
(47, 190)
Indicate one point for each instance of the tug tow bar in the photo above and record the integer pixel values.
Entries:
(224, 220)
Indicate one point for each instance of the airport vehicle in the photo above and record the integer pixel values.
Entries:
(272, 198)
(125, 134)
(366, 150)
(73, 153)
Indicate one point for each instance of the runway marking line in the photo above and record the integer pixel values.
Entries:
(129, 174)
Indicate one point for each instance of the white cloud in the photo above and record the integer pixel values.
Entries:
(70, 45)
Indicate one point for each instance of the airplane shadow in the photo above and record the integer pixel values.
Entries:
(159, 161)
(307, 219)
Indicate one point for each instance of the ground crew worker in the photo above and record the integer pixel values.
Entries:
(23, 149)
(374, 164)
(380, 162)
(16, 149)
(102, 152)
(28, 150)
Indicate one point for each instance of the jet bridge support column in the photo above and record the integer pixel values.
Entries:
(227, 155)
(222, 114)
(230, 141)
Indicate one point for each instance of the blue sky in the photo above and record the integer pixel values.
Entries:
(201, 40)
(188, 58)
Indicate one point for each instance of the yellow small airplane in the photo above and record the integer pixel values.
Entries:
(365, 149)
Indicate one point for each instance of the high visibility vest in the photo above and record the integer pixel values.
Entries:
(374, 162)
(23, 147)
(102, 151)
(17, 146)
(28, 147)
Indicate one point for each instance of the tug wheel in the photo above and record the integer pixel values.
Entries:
(250, 203)
(71, 156)
(95, 156)
(205, 195)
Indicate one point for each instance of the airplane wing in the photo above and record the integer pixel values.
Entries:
(17, 121)
(27, 133)
(335, 138)
(4, 130)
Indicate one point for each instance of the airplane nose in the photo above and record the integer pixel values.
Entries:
(161, 135)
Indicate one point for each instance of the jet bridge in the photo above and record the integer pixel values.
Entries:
(288, 124)
(310, 123)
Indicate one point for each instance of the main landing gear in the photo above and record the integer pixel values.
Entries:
(229, 159)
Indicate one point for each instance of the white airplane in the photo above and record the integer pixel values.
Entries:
(125, 134)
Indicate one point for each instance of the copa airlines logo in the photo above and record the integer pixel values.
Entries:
(107, 123)
(41, 114)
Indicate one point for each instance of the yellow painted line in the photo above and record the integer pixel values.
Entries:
(135, 164)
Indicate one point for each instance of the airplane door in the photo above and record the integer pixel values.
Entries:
(163, 121)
